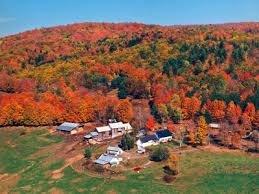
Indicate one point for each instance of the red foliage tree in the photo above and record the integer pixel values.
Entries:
(161, 94)
(150, 124)
(7, 83)
(26, 85)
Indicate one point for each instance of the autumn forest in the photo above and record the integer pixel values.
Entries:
(92, 71)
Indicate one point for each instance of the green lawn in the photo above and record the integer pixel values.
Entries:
(201, 172)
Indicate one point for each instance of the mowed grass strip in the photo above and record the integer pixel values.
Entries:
(17, 144)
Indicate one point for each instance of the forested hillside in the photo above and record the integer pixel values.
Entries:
(67, 73)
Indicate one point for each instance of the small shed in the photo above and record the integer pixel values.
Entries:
(71, 128)
(214, 125)
(164, 135)
(107, 159)
(116, 151)
(91, 135)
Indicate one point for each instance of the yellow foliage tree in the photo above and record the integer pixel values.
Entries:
(173, 163)
(202, 131)
(191, 137)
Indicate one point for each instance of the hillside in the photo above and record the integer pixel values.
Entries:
(71, 73)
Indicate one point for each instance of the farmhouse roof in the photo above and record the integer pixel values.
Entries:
(116, 125)
(148, 138)
(66, 126)
(163, 133)
(103, 129)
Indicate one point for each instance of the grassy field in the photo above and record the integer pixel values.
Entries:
(23, 169)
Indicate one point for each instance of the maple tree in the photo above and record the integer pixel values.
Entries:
(216, 108)
(7, 83)
(250, 111)
(124, 111)
(12, 114)
(246, 122)
(190, 106)
(150, 123)
(160, 93)
(233, 113)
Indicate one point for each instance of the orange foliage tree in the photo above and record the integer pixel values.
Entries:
(216, 109)
(250, 111)
(11, 114)
(190, 106)
(233, 113)
(124, 111)
(246, 122)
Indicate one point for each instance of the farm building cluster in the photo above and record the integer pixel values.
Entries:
(112, 130)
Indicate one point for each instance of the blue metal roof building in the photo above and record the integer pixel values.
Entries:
(148, 138)
(68, 127)
(163, 133)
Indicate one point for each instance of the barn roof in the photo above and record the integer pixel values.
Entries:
(103, 129)
(66, 126)
(116, 125)
(105, 159)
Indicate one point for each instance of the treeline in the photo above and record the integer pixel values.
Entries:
(31, 109)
